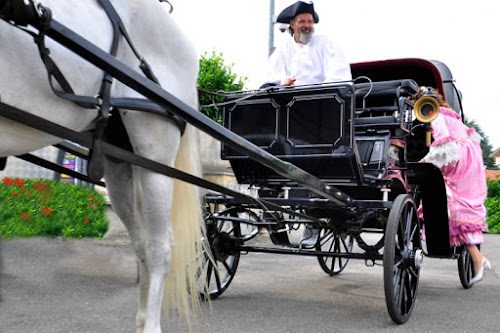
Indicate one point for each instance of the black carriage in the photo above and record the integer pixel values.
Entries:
(363, 141)
(338, 160)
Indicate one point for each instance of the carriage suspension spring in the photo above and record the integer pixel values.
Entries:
(361, 221)
(370, 249)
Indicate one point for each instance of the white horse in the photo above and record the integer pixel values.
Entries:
(141, 198)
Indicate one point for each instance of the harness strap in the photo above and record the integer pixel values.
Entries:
(18, 11)
(117, 21)
(3, 163)
(21, 13)
(144, 66)
(55, 73)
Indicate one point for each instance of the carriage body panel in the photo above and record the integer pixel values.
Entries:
(310, 127)
(433, 196)
(360, 137)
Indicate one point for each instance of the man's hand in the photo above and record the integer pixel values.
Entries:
(289, 81)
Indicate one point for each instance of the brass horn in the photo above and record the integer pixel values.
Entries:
(426, 109)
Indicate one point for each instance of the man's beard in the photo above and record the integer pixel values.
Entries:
(306, 37)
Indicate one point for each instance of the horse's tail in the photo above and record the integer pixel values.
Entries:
(188, 232)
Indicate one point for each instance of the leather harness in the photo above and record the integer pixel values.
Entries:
(20, 14)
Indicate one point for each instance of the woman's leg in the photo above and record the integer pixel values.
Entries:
(476, 256)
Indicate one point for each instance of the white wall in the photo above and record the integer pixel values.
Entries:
(22, 169)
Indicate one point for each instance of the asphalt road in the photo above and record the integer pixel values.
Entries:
(54, 285)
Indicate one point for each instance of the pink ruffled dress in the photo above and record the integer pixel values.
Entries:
(457, 153)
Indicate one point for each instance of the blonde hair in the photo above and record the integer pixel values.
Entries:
(440, 99)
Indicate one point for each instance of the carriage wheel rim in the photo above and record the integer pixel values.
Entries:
(217, 275)
(402, 259)
(334, 242)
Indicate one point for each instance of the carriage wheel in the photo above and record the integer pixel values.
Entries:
(216, 273)
(333, 241)
(465, 268)
(402, 258)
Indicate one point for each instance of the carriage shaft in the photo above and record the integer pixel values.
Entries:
(151, 90)
(85, 139)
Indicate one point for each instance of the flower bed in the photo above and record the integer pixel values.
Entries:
(36, 207)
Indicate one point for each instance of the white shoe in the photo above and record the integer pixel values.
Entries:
(480, 273)
(310, 236)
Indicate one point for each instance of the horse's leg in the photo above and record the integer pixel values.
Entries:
(156, 207)
(158, 139)
(119, 183)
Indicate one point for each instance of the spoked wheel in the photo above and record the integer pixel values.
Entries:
(334, 241)
(402, 258)
(465, 268)
(224, 234)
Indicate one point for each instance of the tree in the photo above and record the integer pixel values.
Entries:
(487, 148)
(215, 76)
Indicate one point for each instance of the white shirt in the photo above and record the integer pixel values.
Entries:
(318, 61)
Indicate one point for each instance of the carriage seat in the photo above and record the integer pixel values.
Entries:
(389, 120)
(393, 88)
(381, 102)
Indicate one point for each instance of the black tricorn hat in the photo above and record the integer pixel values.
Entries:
(297, 8)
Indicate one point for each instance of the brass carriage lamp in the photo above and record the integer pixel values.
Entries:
(426, 110)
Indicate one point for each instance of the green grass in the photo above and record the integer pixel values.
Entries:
(36, 207)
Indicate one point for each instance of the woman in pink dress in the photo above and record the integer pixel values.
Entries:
(455, 150)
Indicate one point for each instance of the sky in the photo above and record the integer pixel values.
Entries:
(461, 33)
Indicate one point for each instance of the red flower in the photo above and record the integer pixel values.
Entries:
(19, 182)
(14, 194)
(25, 216)
(28, 192)
(86, 220)
(91, 197)
(98, 203)
(46, 210)
(7, 181)
(90, 205)
(42, 187)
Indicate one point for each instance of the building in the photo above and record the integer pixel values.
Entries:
(496, 155)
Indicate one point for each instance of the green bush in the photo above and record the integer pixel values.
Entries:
(36, 207)
(486, 146)
(493, 206)
(494, 189)
(215, 76)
